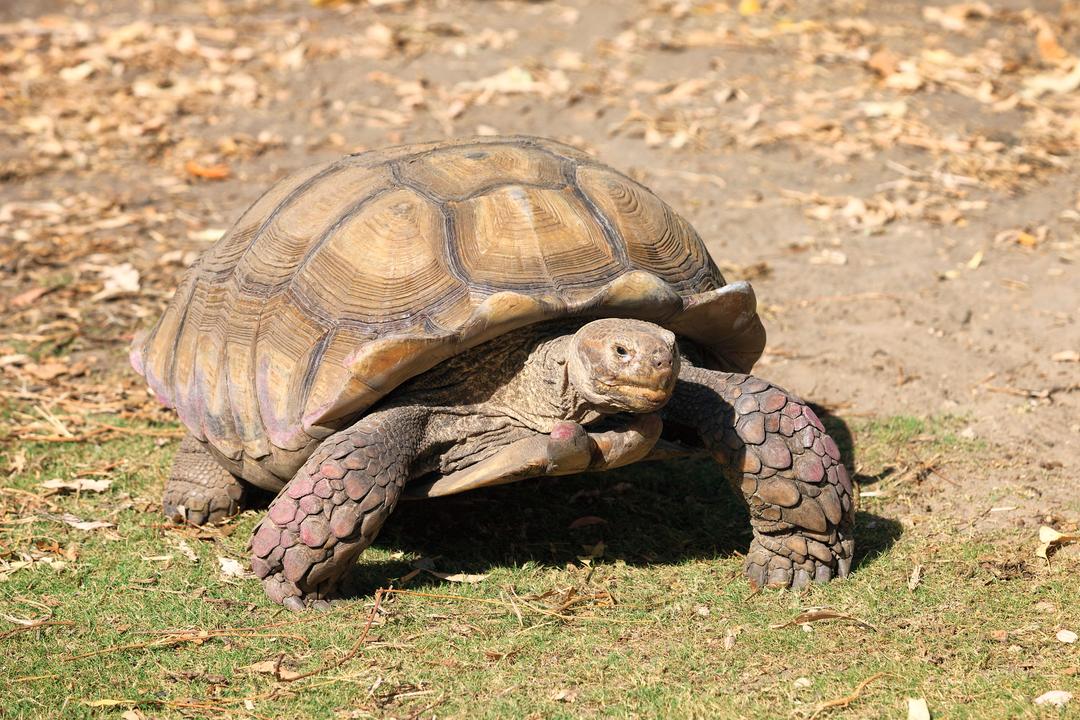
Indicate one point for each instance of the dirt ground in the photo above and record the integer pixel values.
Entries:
(898, 180)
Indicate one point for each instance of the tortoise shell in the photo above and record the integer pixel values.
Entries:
(348, 278)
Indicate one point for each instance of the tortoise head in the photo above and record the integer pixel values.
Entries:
(622, 365)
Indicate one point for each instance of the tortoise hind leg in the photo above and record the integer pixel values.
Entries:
(334, 507)
(199, 490)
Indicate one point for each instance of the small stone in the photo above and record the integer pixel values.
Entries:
(1066, 636)
(809, 469)
(282, 512)
(751, 428)
(702, 611)
(779, 491)
(311, 505)
(802, 682)
(772, 401)
(314, 531)
(322, 489)
(774, 453)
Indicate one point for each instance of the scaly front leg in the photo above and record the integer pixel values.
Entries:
(775, 452)
(334, 507)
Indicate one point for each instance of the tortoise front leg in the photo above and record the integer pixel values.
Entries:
(334, 507)
(199, 490)
(775, 452)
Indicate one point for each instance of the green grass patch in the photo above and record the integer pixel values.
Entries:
(658, 623)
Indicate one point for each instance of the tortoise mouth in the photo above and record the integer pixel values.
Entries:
(637, 397)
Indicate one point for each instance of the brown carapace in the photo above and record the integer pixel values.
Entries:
(406, 321)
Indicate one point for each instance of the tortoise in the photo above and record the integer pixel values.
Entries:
(428, 319)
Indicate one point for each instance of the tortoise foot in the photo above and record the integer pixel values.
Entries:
(200, 491)
(795, 560)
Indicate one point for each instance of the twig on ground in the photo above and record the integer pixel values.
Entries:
(846, 699)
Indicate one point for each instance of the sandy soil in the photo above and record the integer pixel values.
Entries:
(898, 180)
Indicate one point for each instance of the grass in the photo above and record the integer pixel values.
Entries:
(665, 627)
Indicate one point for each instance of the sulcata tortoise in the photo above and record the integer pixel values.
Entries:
(428, 319)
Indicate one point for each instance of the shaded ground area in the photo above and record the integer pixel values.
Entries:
(898, 180)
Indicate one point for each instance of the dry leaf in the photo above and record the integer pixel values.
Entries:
(586, 521)
(207, 172)
(749, 7)
(567, 695)
(1046, 42)
(819, 614)
(80, 524)
(428, 565)
(232, 568)
(27, 298)
(119, 280)
(916, 577)
(77, 485)
(1058, 698)
(272, 667)
(47, 371)
(1049, 538)
(917, 709)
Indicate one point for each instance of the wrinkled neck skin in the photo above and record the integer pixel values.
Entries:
(540, 393)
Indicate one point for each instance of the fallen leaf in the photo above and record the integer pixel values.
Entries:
(819, 614)
(749, 7)
(80, 524)
(428, 565)
(25, 299)
(207, 172)
(272, 667)
(122, 279)
(1058, 698)
(917, 709)
(1049, 538)
(1046, 42)
(47, 371)
(916, 577)
(77, 485)
(566, 695)
(231, 568)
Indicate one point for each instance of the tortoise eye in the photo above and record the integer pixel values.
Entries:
(621, 352)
